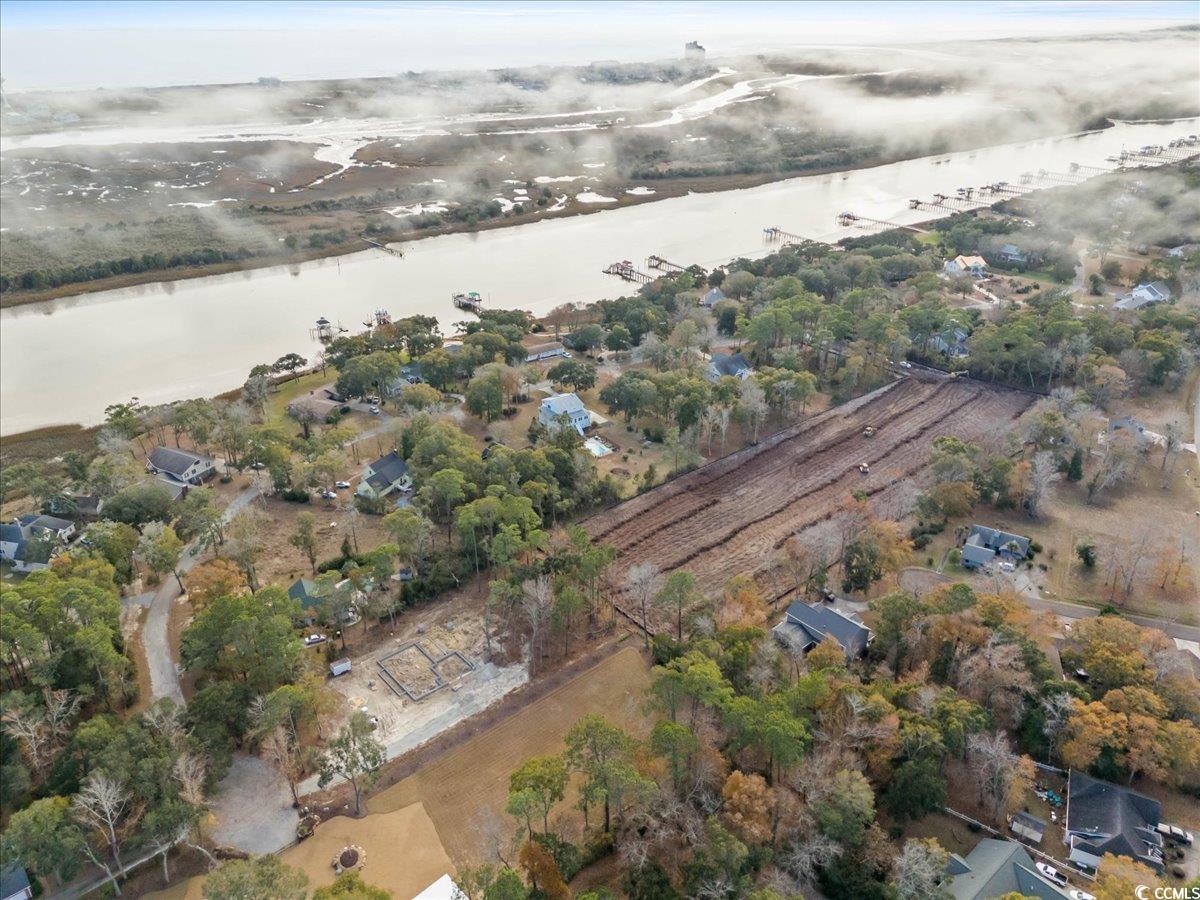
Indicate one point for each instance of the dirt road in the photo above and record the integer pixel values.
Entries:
(733, 516)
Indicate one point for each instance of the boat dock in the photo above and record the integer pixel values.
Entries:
(625, 269)
(470, 301)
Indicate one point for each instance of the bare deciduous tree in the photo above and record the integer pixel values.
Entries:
(537, 597)
(642, 582)
(1043, 472)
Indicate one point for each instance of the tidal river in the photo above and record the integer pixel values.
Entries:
(65, 360)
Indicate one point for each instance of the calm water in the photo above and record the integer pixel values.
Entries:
(64, 361)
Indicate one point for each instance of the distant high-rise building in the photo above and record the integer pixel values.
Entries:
(693, 51)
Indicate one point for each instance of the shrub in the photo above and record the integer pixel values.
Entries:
(295, 495)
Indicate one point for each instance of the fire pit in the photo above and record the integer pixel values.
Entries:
(351, 857)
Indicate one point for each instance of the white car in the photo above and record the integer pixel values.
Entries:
(1079, 894)
(342, 485)
(311, 640)
(374, 410)
(329, 495)
(905, 364)
(1007, 567)
(1052, 874)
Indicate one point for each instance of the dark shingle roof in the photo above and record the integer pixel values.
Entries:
(1112, 819)
(10, 533)
(34, 552)
(387, 471)
(816, 621)
(729, 365)
(51, 523)
(176, 462)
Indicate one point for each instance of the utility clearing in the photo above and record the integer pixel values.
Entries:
(733, 516)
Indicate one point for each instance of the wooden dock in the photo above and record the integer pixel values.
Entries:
(625, 270)
(848, 219)
(395, 251)
(775, 235)
(657, 262)
(470, 301)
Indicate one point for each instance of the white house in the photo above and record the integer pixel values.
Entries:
(388, 473)
(541, 352)
(722, 364)
(181, 465)
(30, 541)
(1144, 295)
(557, 405)
(975, 266)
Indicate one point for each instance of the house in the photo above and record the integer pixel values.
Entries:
(61, 530)
(29, 542)
(712, 298)
(1011, 253)
(442, 889)
(182, 466)
(86, 506)
(541, 352)
(951, 343)
(1182, 250)
(975, 266)
(984, 544)
(722, 364)
(1144, 295)
(557, 405)
(997, 868)
(1031, 828)
(1106, 818)
(14, 884)
(804, 626)
(11, 537)
(1134, 427)
(311, 595)
(34, 555)
(388, 473)
(313, 408)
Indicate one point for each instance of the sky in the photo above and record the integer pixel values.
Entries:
(83, 44)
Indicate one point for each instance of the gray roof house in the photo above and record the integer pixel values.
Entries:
(804, 626)
(33, 555)
(11, 537)
(568, 405)
(1144, 295)
(14, 883)
(1106, 818)
(984, 544)
(1011, 253)
(712, 298)
(388, 473)
(62, 529)
(182, 466)
(995, 868)
(952, 342)
(722, 364)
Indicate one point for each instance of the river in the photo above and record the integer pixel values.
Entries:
(63, 361)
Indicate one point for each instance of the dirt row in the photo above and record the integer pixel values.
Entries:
(733, 516)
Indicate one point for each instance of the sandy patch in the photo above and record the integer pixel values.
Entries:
(403, 854)
(593, 197)
(465, 790)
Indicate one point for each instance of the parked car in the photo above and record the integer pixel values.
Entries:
(342, 485)
(256, 466)
(328, 494)
(371, 398)
(1052, 874)
(1175, 833)
(311, 640)
(374, 410)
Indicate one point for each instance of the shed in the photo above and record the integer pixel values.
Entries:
(1031, 828)
(339, 667)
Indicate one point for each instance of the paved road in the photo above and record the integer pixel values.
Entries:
(164, 673)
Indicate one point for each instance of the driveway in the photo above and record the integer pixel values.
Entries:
(252, 808)
(164, 672)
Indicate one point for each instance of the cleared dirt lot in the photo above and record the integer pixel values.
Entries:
(464, 791)
(733, 516)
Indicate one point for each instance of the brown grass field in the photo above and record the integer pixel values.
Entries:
(732, 517)
(464, 791)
